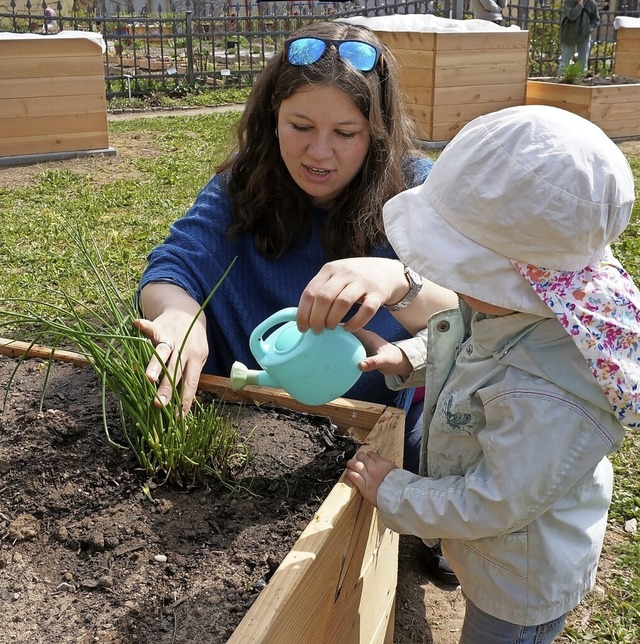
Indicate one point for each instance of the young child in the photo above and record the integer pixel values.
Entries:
(530, 383)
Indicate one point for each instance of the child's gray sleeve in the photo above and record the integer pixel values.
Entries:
(416, 351)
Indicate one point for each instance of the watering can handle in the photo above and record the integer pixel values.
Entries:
(256, 343)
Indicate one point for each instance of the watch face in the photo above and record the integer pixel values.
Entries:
(413, 276)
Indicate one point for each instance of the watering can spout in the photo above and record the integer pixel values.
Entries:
(241, 376)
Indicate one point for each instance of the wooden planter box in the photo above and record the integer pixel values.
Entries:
(614, 108)
(52, 95)
(451, 78)
(627, 59)
(338, 583)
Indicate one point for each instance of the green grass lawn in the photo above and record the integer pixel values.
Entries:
(127, 210)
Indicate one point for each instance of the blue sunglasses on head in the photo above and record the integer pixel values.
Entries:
(307, 50)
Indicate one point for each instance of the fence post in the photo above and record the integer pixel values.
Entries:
(457, 9)
(191, 74)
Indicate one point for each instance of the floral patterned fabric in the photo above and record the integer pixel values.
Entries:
(599, 307)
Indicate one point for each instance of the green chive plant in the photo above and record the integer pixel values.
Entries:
(179, 447)
(572, 73)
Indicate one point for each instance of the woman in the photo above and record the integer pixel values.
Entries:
(322, 144)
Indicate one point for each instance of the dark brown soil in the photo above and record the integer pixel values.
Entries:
(598, 81)
(86, 556)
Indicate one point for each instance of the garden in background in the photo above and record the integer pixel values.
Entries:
(126, 203)
(191, 47)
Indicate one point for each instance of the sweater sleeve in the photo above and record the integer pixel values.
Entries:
(491, 6)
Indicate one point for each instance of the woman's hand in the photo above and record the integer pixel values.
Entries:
(170, 312)
(367, 471)
(368, 281)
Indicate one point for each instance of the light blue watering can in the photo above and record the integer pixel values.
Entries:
(313, 368)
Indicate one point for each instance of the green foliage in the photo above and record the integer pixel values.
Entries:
(544, 30)
(572, 73)
(603, 52)
(165, 441)
(178, 43)
(184, 97)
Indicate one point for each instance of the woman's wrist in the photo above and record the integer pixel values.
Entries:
(414, 282)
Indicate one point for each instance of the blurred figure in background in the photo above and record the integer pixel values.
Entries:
(490, 10)
(50, 25)
(580, 19)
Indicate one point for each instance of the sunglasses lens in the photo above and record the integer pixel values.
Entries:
(361, 55)
(305, 51)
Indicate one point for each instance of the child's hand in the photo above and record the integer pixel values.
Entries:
(382, 355)
(367, 470)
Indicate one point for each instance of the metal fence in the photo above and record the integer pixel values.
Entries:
(214, 44)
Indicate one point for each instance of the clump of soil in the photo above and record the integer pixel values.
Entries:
(87, 556)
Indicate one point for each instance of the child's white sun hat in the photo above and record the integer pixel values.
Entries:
(519, 211)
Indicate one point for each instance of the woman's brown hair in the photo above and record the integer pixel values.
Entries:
(267, 202)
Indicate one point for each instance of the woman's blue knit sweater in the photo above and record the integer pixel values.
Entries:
(198, 251)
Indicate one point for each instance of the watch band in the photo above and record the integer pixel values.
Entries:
(415, 284)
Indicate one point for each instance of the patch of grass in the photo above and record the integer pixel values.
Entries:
(127, 215)
(572, 73)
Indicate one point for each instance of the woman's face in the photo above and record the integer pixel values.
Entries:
(324, 140)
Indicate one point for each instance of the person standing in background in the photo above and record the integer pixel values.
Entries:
(490, 10)
(50, 25)
(580, 19)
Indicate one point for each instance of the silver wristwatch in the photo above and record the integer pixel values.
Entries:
(415, 284)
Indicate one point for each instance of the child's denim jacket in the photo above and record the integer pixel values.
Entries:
(516, 436)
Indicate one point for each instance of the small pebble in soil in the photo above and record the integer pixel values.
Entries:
(160, 558)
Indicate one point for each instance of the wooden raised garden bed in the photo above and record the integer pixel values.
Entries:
(627, 59)
(52, 95)
(451, 78)
(614, 108)
(338, 582)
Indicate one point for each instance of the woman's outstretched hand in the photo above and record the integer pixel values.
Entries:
(180, 343)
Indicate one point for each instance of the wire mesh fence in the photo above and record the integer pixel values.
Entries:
(212, 44)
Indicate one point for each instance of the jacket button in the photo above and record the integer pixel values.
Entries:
(443, 326)
(469, 350)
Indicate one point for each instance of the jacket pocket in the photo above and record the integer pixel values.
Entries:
(506, 555)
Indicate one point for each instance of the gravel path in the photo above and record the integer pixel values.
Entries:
(179, 111)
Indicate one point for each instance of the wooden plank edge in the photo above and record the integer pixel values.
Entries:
(344, 412)
(344, 506)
